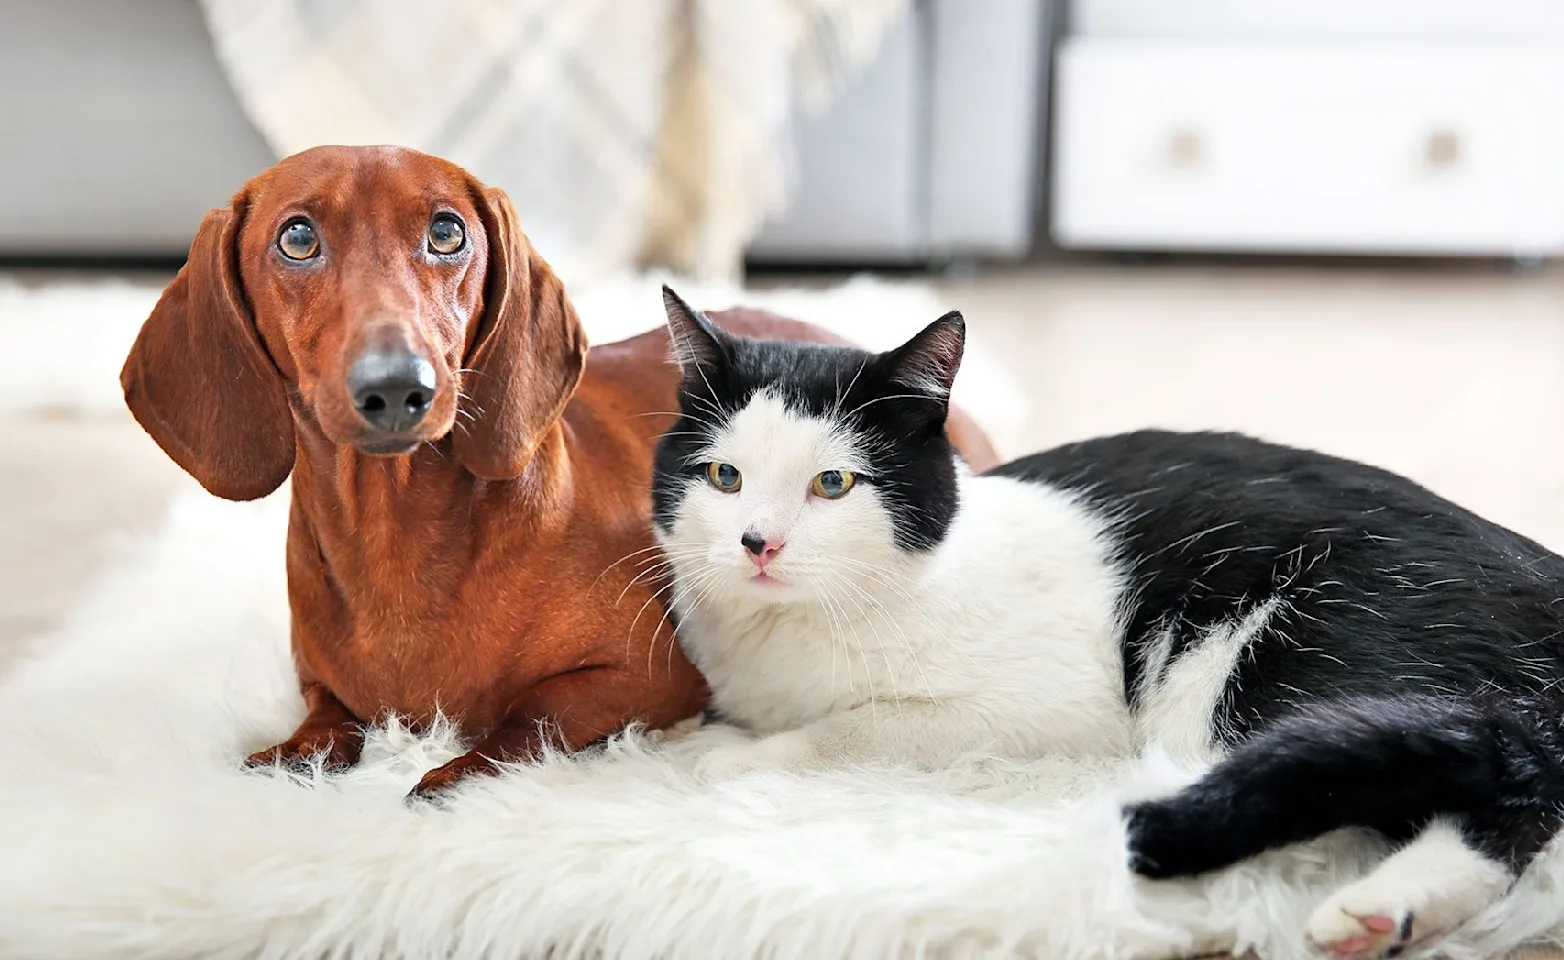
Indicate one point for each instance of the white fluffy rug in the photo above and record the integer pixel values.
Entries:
(127, 828)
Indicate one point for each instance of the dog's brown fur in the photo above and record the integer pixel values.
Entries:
(493, 573)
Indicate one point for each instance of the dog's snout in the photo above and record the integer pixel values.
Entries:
(392, 388)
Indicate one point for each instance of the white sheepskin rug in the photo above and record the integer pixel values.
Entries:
(128, 828)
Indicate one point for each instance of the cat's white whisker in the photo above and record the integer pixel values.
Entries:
(837, 637)
(662, 413)
(682, 433)
(694, 606)
(690, 416)
(895, 396)
(840, 616)
(645, 576)
(658, 566)
(711, 403)
(881, 578)
(630, 633)
(933, 630)
(706, 576)
(633, 553)
(890, 670)
(901, 635)
(841, 395)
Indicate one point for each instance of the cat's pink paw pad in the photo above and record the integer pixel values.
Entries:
(1379, 923)
(1344, 936)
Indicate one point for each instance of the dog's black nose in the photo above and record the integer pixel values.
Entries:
(391, 388)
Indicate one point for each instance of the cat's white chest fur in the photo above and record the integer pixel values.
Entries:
(1004, 637)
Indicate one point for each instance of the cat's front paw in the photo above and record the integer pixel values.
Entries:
(1333, 931)
(783, 751)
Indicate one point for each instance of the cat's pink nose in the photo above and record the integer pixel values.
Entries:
(761, 551)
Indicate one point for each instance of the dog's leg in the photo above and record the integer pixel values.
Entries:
(569, 711)
(328, 729)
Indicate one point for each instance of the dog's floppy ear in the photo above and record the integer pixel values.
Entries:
(198, 380)
(525, 357)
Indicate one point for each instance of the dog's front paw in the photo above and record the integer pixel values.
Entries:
(336, 749)
(448, 774)
(783, 751)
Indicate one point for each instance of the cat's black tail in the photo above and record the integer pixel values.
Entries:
(1496, 767)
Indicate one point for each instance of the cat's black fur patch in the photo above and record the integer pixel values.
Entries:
(1379, 581)
(852, 387)
(1408, 667)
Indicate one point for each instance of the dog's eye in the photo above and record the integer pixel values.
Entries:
(298, 241)
(446, 234)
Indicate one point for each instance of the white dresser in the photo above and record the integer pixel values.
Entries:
(1340, 126)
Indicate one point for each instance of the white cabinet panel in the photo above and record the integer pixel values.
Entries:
(1298, 19)
(1365, 147)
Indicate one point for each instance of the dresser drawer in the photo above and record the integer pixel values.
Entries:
(1461, 20)
(1378, 147)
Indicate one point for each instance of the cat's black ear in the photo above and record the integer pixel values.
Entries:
(929, 361)
(696, 340)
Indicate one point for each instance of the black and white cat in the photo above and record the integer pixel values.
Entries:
(1345, 647)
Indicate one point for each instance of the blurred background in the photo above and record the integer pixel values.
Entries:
(1328, 223)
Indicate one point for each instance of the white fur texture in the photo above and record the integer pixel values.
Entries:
(127, 829)
(93, 320)
(856, 649)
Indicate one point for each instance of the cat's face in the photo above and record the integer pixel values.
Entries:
(802, 471)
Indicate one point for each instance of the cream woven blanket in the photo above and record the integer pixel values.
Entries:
(629, 133)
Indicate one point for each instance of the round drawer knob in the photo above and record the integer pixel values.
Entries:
(1442, 149)
(1185, 148)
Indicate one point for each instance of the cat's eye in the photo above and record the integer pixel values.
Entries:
(725, 477)
(298, 241)
(446, 234)
(832, 484)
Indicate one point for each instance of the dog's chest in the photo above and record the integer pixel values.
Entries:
(416, 673)
(387, 640)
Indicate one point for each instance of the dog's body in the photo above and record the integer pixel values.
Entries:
(479, 544)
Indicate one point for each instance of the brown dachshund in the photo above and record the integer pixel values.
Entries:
(470, 523)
